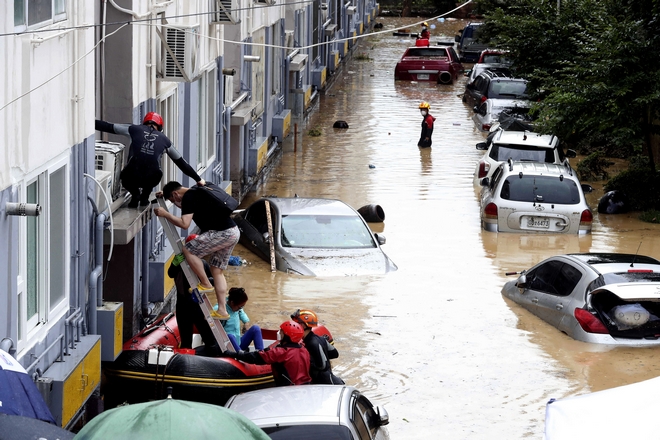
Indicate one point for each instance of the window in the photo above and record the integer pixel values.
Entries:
(43, 278)
(38, 13)
(167, 107)
(207, 128)
(555, 278)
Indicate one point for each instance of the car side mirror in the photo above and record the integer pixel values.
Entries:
(457, 38)
(266, 237)
(587, 188)
(383, 417)
(482, 146)
(571, 153)
(485, 181)
(380, 239)
(521, 283)
(467, 72)
(475, 109)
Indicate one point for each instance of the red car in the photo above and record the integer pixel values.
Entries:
(429, 63)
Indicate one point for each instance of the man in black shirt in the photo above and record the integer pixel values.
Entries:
(148, 143)
(320, 350)
(218, 234)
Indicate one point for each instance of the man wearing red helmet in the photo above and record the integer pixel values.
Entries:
(148, 143)
(289, 359)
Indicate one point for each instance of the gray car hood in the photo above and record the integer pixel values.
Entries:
(344, 262)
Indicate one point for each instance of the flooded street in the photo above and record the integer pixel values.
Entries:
(435, 342)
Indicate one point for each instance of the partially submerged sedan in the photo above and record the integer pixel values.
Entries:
(602, 298)
(429, 63)
(312, 236)
(535, 197)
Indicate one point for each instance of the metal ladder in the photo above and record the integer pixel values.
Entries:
(177, 243)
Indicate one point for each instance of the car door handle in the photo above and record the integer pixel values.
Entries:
(559, 306)
(535, 300)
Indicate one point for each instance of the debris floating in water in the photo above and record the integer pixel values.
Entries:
(372, 166)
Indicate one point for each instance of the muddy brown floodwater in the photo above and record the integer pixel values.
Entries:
(435, 342)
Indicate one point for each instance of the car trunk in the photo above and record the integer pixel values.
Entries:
(628, 311)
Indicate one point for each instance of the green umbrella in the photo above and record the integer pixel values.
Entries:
(171, 419)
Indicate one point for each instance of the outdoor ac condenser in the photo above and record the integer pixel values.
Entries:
(223, 11)
(110, 156)
(105, 179)
(180, 53)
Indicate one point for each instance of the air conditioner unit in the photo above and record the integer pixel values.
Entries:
(223, 11)
(228, 89)
(105, 179)
(180, 53)
(351, 10)
(109, 156)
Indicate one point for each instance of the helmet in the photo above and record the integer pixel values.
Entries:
(425, 24)
(293, 330)
(155, 118)
(425, 105)
(191, 237)
(306, 318)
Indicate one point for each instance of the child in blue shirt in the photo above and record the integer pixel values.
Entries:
(236, 300)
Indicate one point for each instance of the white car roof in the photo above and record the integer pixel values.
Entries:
(526, 138)
(541, 169)
(307, 404)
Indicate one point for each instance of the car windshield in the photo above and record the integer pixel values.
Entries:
(426, 52)
(306, 432)
(325, 231)
(507, 89)
(504, 152)
(540, 189)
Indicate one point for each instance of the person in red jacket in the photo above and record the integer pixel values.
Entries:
(425, 34)
(427, 125)
(289, 359)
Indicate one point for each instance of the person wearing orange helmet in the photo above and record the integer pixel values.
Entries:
(425, 34)
(289, 359)
(427, 125)
(148, 143)
(320, 350)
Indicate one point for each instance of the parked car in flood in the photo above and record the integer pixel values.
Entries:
(469, 46)
(439, 64)
(494, 85)
(602, 298)
(313, 412)
(534, 197)
(487, 114)
(313, 236)
(502, 145)
(477, 69)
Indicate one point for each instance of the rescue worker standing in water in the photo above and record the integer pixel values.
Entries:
(425, 31)
(427, 125)
(148, 143)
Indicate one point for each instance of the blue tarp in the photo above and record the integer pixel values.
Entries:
(18, 394)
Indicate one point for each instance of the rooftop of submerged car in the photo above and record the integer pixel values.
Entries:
(311, 206)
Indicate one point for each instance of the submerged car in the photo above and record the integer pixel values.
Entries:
(487, 114)
(313, 412)
(602, 298)
(469, 46)
(502, 145)
(494, 85)
(313, 236)
(535, 197)
(429, 63)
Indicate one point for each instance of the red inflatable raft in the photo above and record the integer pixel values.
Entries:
(151, 362)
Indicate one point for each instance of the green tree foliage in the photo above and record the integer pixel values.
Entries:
(594, 64)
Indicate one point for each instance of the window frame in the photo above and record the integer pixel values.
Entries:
(33, 328)
(206, 135)
(167, 107)
(58, 12)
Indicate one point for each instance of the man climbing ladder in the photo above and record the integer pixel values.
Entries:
(200, 296)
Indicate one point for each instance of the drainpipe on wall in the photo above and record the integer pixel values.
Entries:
(144, 235)
(95, 281)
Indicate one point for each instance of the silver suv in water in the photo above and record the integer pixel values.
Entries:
(535, 197)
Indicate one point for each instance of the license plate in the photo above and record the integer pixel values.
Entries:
(538, 223)
(422, 76)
